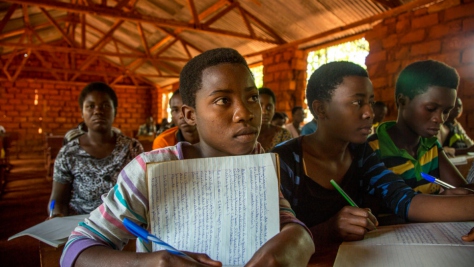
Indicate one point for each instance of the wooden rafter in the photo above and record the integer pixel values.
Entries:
(143, 39)
(136, 17)
(194, 12)
(121, 4)
(26, 21)
(58, 27)
(106, 37)
(389, 3)
(265, 26)
(22, 64)
(46, 64)
(8, 15)
(246, 21)
(220, 14)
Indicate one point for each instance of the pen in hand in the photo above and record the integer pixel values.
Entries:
(138, 231)
(51, 208)
(347, 197)
(435, 180)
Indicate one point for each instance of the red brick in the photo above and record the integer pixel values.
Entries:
(425, 21)
(426, 48)
(390, 41)
(413, 36)
(379, 82)
(468, 24)
(458, 42)
(466, 71)
(465, 10)
(468, 56)
(421, 11)
(376, 57)
(393, 67)
(441, 30)
(451, 58)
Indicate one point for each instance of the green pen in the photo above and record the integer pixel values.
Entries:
(346, 196)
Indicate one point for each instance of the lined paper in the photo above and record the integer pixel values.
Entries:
(226, 207)
(418, 244)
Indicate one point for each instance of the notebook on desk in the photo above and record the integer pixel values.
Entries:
(226, 207)
(416, 244)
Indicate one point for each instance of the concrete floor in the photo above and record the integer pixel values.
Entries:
(22, 205)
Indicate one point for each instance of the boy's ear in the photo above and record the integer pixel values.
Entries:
(401, 100)
(189, 114)
(319, 109)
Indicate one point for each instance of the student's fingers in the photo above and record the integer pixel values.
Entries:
(469, 237)
(164, 258)
(352, 223)
(372, 219)
(203, 258)
(457, 191)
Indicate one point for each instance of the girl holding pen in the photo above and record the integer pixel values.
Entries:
(340, 96)
(220, 98)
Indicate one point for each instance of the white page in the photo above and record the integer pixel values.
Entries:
(448, 233)
(459, 160)
(424, 244)
(54, 232)
(226, 207)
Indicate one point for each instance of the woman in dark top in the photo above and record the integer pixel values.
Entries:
(340, 95)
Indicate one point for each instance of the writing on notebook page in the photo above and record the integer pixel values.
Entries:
(225, 207)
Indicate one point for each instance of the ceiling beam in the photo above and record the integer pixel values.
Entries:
(135, 17)
(9, 13)
(389, 3)
(384, 15)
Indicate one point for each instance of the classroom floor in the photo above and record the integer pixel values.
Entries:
(22, 205)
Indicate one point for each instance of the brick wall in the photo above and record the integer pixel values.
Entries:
(443, 32)
(57, 109)
(284, 71)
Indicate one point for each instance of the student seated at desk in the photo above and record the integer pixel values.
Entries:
(220, 98)
(425, 93)
(452, 135)
(183, 132)
(340, 95)
(87, 167)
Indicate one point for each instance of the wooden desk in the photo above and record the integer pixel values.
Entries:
(324, 256)
(463, 165)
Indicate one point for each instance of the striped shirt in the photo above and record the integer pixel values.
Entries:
(405, 165)
(129, 199)
(315, 204)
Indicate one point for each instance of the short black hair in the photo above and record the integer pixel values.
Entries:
(379, 104)
(175, 93)
(278, 116)
(415, 78)
(98, 87)
(190, 78)
(293, 110)
(327, 77)
(267, 91)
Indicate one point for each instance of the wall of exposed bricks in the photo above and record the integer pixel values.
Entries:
(57, 110)
(284, 71)
(443, 32)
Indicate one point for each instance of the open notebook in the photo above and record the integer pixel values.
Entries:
(416, 244)
(54, 232)
(226, 207)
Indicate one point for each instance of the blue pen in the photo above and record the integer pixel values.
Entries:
(138, 231)
(51, 208)
(434, 180)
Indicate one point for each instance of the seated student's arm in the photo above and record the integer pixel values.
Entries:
(450, 174)
(293, 246)
(62, 185)
(98, 240)
(413, 206)
(61, 194)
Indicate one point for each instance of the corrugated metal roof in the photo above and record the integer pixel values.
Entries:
(169, 30)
